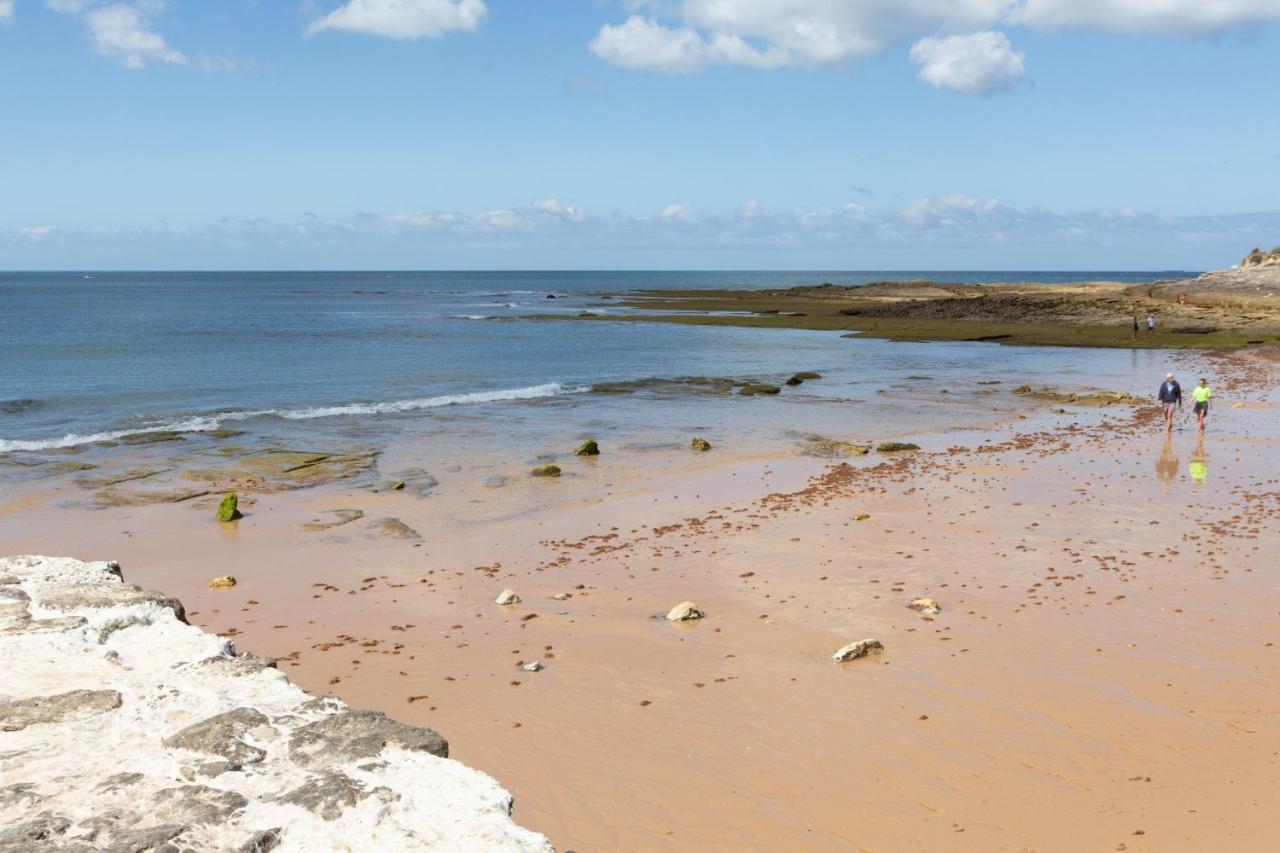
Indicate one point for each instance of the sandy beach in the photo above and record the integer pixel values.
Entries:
(1099, 676)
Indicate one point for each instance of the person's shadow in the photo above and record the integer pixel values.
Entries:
(1167, 463)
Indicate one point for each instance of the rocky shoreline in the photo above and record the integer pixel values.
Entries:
(123, 728)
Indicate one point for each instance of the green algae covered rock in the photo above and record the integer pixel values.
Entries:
(700, 444)
(800, 377)
(588, 448)
(546, 471)
(229, 509)
(759, 388)
(895, 446)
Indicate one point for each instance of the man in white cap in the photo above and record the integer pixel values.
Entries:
(1170, 396)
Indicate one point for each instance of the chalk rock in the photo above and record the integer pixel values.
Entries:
(684, 611)
(224, 582)
(926, 605)
(562, 596)
(170, 742)
(532, 667)
(860, 649)
(507, 596)
(700, 444)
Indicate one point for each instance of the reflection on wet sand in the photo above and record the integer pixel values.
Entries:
(1199, 467)
(1167, 464)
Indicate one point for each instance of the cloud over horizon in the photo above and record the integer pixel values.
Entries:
(403, 19)
(926, 231)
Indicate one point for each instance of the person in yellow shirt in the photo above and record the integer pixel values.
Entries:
(1202, 393)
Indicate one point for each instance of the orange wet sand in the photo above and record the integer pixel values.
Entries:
(1102, 675)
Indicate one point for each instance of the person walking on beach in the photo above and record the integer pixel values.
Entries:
(1151, 323)
(1170, 395)
(1202, 393)
(1133, 336)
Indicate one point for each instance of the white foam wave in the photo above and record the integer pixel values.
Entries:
(205, 423)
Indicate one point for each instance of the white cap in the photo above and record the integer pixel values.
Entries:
(1168, 376)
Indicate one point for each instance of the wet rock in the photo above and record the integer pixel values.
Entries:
(507, 596)
(926, 605)
(340, 517)
(17, 714)
(758, 388)
(120, 623)
(895, 446)
(222, 735)
(588, 448)
(96, 596)
(223, 433)
(535, 666)
(19, 794)
(860, 649)
(354, 735)
(799, 378)
(41, 833)
(70, 466)
(700, 444)
(397, 486)
(229, 509)
(562, 596)
(546, 471)
(157, 437)
(224, 582)
(395, 528)
(684, 612)
(120, 781)
(862, 516)
(329, 792)
(242, 664)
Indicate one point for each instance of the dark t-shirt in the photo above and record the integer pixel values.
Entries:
(1170, 392)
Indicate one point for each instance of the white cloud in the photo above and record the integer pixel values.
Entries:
(403, 19)
(123, 34)
(6, 11)
(978, 64)
(686, 36)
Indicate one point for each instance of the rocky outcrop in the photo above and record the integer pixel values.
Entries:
(124, 728)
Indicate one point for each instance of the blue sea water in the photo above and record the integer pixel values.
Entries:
(89, 356)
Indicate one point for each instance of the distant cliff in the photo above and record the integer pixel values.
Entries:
(122, 728)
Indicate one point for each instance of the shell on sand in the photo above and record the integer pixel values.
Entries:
(684, 611)
(507, 596)
(860, 649)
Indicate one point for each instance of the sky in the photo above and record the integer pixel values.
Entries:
(638, 134)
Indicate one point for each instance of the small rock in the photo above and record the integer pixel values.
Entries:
(684, 612)
(862, 516)
(546, 471)
(536, 666)
(860, 649)
(588, 448)
(562, 596)
(759, 388)
(229, 509)
(895, 446)
(17, 714)
(800, 377)
(397, 486)
(507, 596)
(224, 582)
(700, 444)
(926, 605)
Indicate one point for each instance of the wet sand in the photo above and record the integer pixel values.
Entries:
(1101, 676)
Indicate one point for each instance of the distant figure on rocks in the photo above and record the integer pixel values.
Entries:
(1202, 393)
(1170, 396)
(1134, 335)
(1151, 323)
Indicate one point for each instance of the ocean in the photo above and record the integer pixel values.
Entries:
(438, 365)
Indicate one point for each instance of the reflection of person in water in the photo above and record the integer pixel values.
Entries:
(1199, 467)
(1167, 464)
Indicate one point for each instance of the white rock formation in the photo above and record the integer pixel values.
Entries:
(684, 611)
(860, 649)
(124, 728)
(506, 597)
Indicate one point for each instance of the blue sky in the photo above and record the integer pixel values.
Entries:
(863, 134)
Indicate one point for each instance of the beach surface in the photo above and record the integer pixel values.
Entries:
(1100, 674)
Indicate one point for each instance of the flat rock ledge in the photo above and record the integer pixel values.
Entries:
(123, 728)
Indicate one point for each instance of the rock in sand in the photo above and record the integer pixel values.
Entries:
(229, 509)
(532, 667)
(224, 582)
(700, 444)
(926, 605)
(507, 596)
(684, 612)
(588, 448)
(860, 649)
(546, 471)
